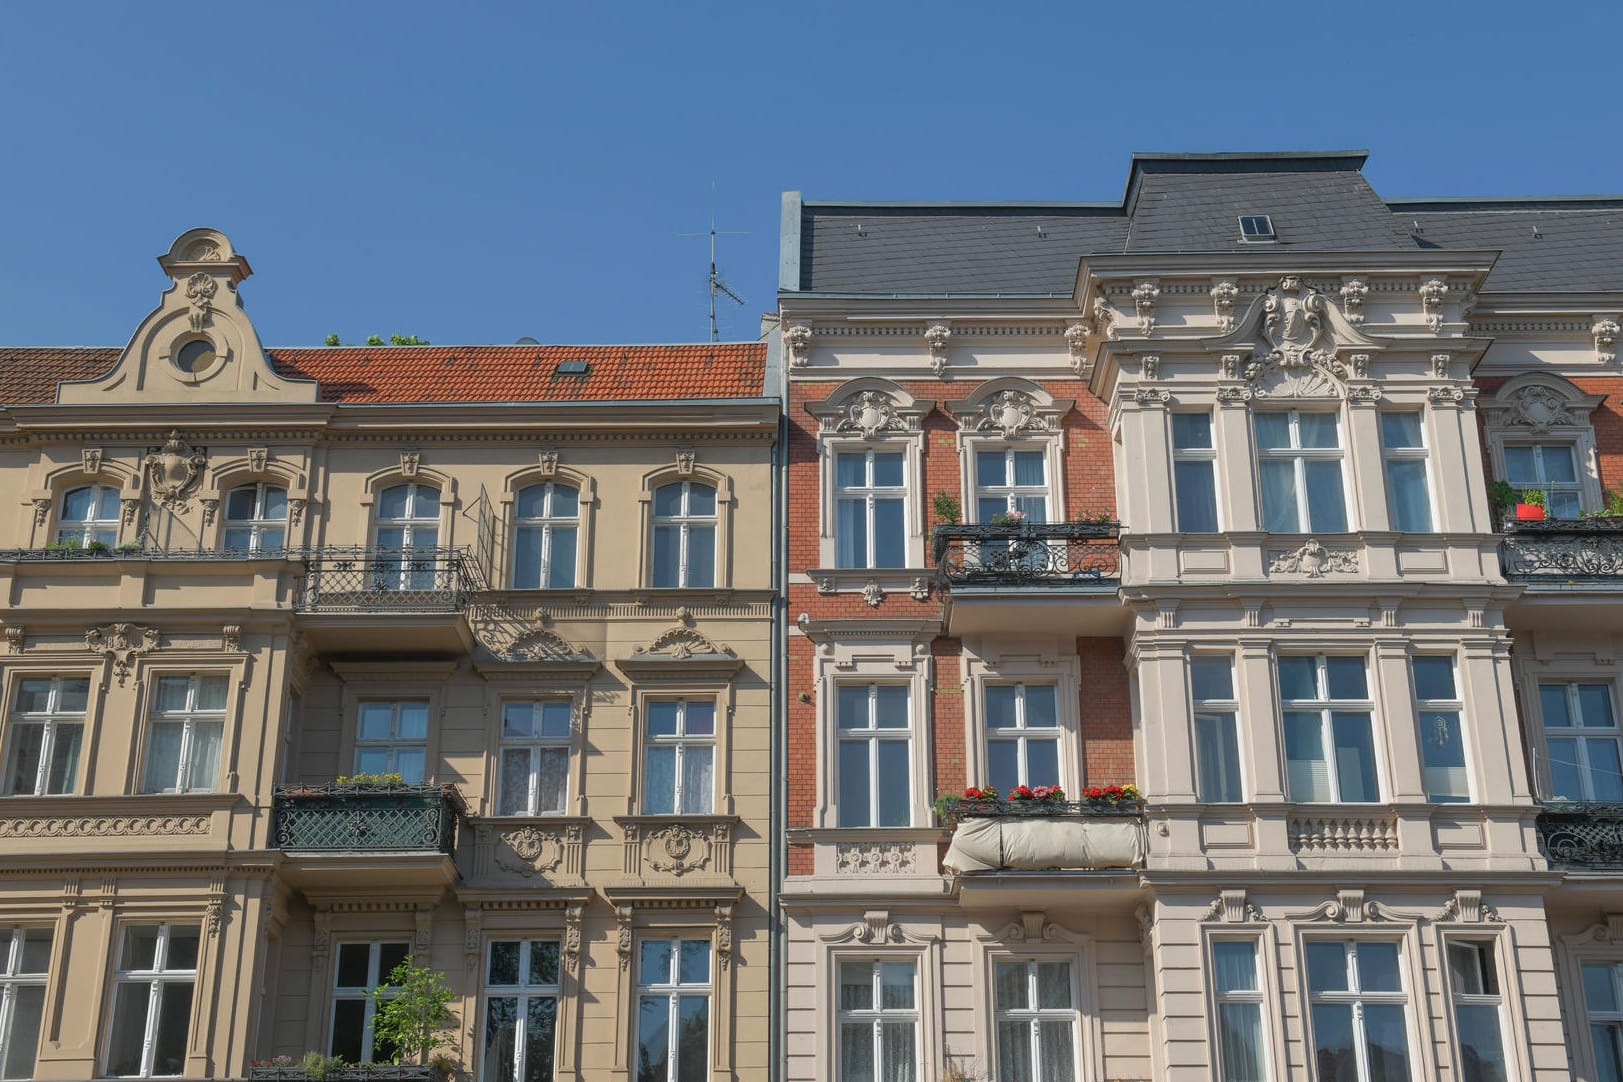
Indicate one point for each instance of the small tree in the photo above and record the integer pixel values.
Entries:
(411, 1010)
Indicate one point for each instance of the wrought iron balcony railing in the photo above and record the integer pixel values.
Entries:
(1057, 554)
(1575, 835)
(361, 580)
(350, 1072)
(1563, 550)
(368, 818)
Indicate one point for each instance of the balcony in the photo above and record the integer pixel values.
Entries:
(1041, 853)
(393, 600)
(1055, 577)
(1563, 551)
(335, 835)
(1582, 836)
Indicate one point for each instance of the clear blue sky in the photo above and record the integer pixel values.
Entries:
(477, 172)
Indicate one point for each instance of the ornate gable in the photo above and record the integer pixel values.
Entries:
(1294, 343)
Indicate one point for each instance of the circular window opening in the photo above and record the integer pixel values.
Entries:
(195, 356)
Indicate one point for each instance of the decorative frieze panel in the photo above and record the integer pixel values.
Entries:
(1314, 561)
(549, 851)
(663, 848)
(874, 858)
(102, 826)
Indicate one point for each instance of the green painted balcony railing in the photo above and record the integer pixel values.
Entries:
(368, 818)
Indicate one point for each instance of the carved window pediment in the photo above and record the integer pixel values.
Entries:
(869, 408)
(1010, 408)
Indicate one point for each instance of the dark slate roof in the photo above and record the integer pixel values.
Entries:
(1549, 245)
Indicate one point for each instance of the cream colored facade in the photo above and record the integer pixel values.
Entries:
(238, 682)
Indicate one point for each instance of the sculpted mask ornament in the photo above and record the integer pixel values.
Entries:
(1432, 294)
(936, 336)
(1605, 331)
(1224, 295)
(1144, 297)
(200, 290)
(1076, 339)
(1353, 292)
(123, 643)
(1104, 317)
(174, 469)
(799, 337)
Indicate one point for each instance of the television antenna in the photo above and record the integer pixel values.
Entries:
(716, 287)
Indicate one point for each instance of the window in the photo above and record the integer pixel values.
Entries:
(27, 959)
(679, 762)
(1550, 467)
(1299, 464)
(535, 757)
(1359, 1016)
(875, 778)
(548, 537)
(1442, 745)
(1009, 481)
(392, 738)
(1477, 1010)
(361, 968)
(1603, 1002)
(408, 521)
(45, 733)
(89, 514)
(1256, 228)
(195, 356)
(256, 518)
(1329, 747)
(1036, 1021)
(1194, 472)
(152, 1000)
(684, 535)
(1217, 738)
(1403, 450)
(879, 1022)
(1582, 738)
(1022, 736)
(184, 734)
(673, 1010)
(870, 523)
(1242, 1055)
(521, 1011)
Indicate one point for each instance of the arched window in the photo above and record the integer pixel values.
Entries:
(256, 518)
(408, 522)
(548, 531)
(684, 535)
(89, 514)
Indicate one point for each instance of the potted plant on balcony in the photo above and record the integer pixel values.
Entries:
(948, 511)
(1111, 796)
(1009, 518)
(1531, 507)
(412, 1012)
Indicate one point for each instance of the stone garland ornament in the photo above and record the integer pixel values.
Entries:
(175, 470)
(678, 849)
(1315, 561)
(538, 852)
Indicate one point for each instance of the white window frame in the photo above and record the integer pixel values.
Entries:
(1612, 1020)
(1020, 734)
(1033, 1016)
(394, 743)
(1421, 454)
(869, 492)
(411, 522)
(1358, 999)
(523, 992)
(675, 991)
(347, 993)
(878, 1015)
(1009, 491)
(872, 735)
(534, 745)
(1220, 709)
(257, 523)
(1575, 486)
(1499, 1001)
(1254, 997)
(681, 741)
(686, 522)
(1299, 456)
(1194, 455)
(190, 718)
(548, 523)
(1326, 707)
(12, 978)
(84, 531)
(1455, 706)
(51, 719)
(156, 978)
(1579, 734)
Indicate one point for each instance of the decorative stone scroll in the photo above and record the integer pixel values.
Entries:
(174, 469)
(123, 643)
(1315, 561)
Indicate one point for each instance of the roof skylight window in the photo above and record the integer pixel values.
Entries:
(574, 367)
(1257, 228)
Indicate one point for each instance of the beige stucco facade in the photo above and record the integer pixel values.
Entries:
(233, 669)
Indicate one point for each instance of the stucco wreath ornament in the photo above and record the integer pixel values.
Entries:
(175, 470)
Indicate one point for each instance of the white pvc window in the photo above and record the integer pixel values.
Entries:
(1242, 1053)
(1194, 472)
(408, 521)
(1479, 1005)
(684, 535)
(1022, 735)
(1217, 737)
(89, 513)
(1403, 453)
(874, 756)
(45, 734)
(535, 757)
(26, 953)
(1011, 480)
(1359, 1010)
(256, 518)
(1548, 467)
(673, 1010)
(878, 1020)
(1329, 740)
(1442, 740)
(679, 759)
(152, 1000)
(392, 738)
(1582, 742)
(361, 968)
(1603, 1003)
(548, 537)
(869, 511)
(1037, 1021)
(521, 1011)
(184, 733)
(1299, 469)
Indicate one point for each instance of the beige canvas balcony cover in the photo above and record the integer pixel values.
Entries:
(1035, 844)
